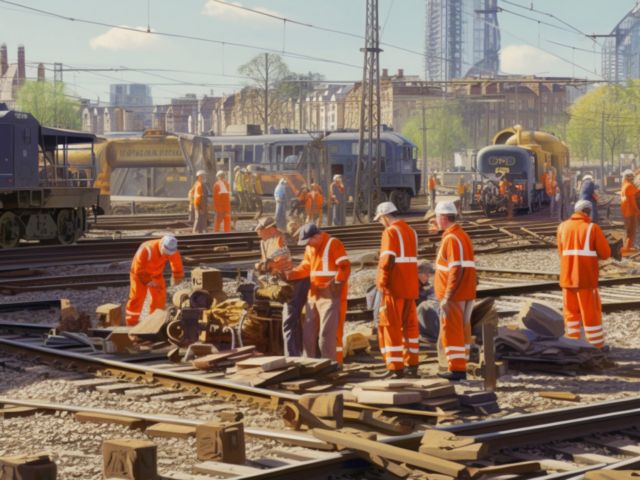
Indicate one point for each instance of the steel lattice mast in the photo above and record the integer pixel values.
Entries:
(367, 186)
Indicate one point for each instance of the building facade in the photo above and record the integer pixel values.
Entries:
(621, 50)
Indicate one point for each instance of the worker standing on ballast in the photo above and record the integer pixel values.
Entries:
(431, 189)
(338, 200)
(580, 244)
(630, 211)
(222, 202)
(397, 280)
(455, 288)
(326, 263)
(146, 275)
(199, 203)
(281, 197)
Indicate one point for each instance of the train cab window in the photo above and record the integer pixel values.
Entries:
(27, 136)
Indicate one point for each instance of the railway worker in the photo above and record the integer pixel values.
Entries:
(580, 244)
(298, 204)
(397, 280)
(455, 289)
(431, 189)
(146, 275)
(191, 215)
(199, 203)
(222, 202)
(326, 263)
(313, 204)
(238, 185)
(276, 260)
(461, 191)
(280, 196)
(338, 199)
(550, 186)
(588, 192)
(630, 211)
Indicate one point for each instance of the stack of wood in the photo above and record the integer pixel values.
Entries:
(429, 394)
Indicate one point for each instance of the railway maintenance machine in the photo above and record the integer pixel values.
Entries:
(41, 198)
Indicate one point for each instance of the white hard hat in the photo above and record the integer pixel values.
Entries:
(385, 208)
(200, 172)
(446, 208)
(582, 205)
(220, 173)
(587, 177)
(169, 245)
(627, 172)
(337, 176)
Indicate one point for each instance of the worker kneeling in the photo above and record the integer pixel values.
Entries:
(580, 244)
(146, 275)
(397, 279)
(326, 263)
(455, 288)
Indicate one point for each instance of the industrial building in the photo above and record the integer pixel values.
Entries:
(621, 50)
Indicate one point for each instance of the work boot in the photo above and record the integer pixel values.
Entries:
(453, 376)
(411, 371)
(395, 374)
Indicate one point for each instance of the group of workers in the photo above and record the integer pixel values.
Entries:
(221, 203)
(309, 201)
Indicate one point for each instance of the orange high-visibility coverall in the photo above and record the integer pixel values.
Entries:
(146, 275)
(222, 205)
(324, 264)
(397, 279)
(313, 206)
(455, 282)
(431, 185)
(580, 244)
(630, 212)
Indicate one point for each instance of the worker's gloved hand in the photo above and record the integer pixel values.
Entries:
(616, 249)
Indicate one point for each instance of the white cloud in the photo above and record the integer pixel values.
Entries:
(228, 12)
(528, 60)
(119, 39)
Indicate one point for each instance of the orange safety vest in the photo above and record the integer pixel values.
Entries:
(432, 184)
(197, 195)
(274, 250)
(149, 263)
(313, 202)
(324, 263)
(222, 196)
(398, 264)
(580, 244)
(502, 187)
(461, 189)
(628, 202)
(550, 183)
(455, 276)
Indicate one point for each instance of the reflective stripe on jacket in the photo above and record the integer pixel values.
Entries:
(455, 277)
(580, 244)
(221, 196)
(398, 264)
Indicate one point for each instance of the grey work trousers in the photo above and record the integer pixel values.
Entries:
(319, 332)
(292, 318)
(200, 221)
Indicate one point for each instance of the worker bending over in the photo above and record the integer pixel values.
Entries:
(326, 263)
(630, 211)
(199, 203)
(222, 202)
(580, 244)
(338, 199)
(146, 275)
(276, 260)
(455, 288)
(397, 280)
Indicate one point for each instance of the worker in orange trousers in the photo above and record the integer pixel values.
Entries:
(313, 204)
(199, 203)
(455, 288)
(630, 211)
(146, 275)
(580, 244)
(222, 202)
(397, 280)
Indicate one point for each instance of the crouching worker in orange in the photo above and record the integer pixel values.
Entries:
(222, 202)
(397, 279)
(580, 244)
(455, 288)
(146, 274)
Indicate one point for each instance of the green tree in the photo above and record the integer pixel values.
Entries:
(48, 102)
(445, 132)
(266, 73)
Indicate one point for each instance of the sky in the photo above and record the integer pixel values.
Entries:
(210, 65)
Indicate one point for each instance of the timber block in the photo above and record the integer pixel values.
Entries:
(121, 341)
(129, 459)
(14, 411)
(91, 417)
(266, 364)
(612, 475)
(151, 327)
(327, 405)
(209, 279)
(387, 398)
(28, 467)
(110, 315)
(222, 442)
(170, 430)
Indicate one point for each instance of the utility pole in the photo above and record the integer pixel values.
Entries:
(266, 94)
(367, 191)
(602, 145)
(424, 143)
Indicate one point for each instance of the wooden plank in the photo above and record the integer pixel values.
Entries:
(566, 396)
(520, 468)
(92, 417)
(396, 454)
(266, 364)
(9, 411)
(387, 398)
(170, 430)
(226, 470)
